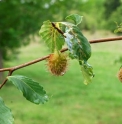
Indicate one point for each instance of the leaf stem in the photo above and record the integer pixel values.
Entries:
(12, 69)
(4, 82)
(60, 31)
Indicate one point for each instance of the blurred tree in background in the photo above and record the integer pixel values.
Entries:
(21, 18)
(18, 19)
(113, 13)
(110, 7)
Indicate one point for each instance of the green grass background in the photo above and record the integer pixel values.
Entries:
(71, 102)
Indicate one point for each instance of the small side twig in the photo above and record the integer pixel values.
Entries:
(9, 74)
(12, 69)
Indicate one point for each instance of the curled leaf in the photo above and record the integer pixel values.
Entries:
(75, 17)
(87, 72)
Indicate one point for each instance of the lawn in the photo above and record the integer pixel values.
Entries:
(71, 102)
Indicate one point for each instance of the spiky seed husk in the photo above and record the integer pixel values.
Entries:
(120, 74)
(57, 63)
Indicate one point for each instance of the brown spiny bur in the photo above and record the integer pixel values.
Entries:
(57, 63)
(120, 74)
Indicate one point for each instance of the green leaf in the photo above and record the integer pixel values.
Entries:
(5, 114)
(31, 90)
(87, 72)
(77, 44)
(80, 49)
(51, 36)
(68, 41)
(74, 47)
(67, 24)
(82, 46)
(76, 18)
(118, 30)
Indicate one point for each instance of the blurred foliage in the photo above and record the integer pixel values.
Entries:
(118, 60)
(113, 12)
(119, 28)
(110, 7)
(115, 17)
(21, 18)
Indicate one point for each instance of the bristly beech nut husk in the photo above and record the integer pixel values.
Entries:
(120, 74)
(57, 63)
(55, 34)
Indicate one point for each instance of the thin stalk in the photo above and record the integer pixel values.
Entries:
(63, 50)
(12, 69)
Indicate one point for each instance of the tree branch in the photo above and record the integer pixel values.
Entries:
(12, 69)
(4, 82)
(99, 41)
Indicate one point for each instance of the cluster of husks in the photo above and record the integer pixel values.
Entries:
(57, 63)
(120, 74)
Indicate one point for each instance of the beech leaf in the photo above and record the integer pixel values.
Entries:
(87, 72)
(31, 90)
(75, 17)
(82, 45)
(5, 114)
(51, 35)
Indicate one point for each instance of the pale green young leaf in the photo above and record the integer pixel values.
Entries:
(75, 17)
(31, 90)
(87, 72)
(118, 30)
(51, 36)
(5, 114)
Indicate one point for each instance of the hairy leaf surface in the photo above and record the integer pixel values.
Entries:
(51, 35)
(31, 90)
(5, 114)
